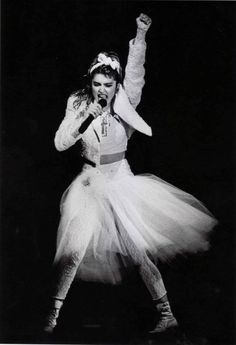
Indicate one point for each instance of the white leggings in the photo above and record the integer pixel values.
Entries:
(66, 269)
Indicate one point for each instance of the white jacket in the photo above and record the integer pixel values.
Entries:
(127, 99)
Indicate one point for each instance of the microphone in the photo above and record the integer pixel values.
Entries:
(90, 118)
(102, 102)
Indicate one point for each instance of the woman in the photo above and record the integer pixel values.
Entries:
(111, 218)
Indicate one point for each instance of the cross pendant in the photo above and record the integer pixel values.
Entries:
(104, 127)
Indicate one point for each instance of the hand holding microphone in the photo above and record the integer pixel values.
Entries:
(94, 110)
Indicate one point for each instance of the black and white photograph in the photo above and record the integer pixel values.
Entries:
(117, 172)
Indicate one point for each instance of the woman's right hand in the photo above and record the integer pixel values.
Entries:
(94, 109)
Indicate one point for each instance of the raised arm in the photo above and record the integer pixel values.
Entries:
(135, 71)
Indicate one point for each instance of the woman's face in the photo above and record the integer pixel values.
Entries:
(103, 87)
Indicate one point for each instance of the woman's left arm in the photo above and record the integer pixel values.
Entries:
(135, 71)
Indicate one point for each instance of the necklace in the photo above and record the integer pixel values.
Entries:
(105, 123)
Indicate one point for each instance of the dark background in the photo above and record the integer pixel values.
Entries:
(188, 100)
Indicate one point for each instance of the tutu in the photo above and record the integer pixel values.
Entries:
(105, 204)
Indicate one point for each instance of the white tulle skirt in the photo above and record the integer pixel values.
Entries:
(106, 202)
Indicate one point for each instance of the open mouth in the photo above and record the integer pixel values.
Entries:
(102, 96)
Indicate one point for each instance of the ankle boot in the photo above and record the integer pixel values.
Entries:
(166, 320)
(53, 313)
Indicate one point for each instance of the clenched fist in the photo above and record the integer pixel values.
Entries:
(143, 22)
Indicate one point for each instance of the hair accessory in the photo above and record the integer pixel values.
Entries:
(104, 60)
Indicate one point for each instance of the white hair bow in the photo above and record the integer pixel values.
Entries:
(104, 60)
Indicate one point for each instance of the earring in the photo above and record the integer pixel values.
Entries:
(117, 88)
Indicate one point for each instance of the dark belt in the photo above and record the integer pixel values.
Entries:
(106, 159)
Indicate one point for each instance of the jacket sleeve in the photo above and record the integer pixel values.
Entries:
(135, 71)
(73, 119)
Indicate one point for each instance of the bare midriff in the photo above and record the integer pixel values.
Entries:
(111, 158)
